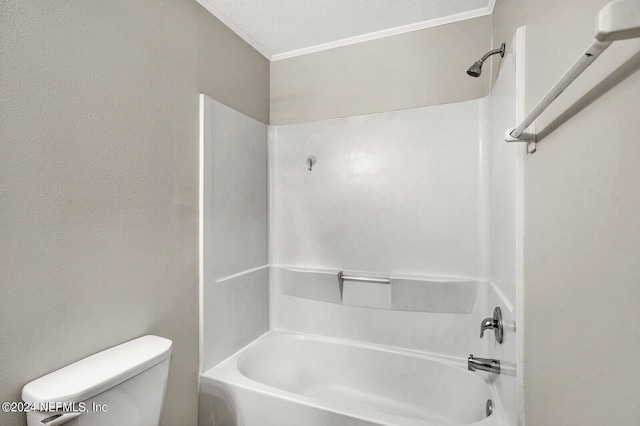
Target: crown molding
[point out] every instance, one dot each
(488, 10)
(388, 32)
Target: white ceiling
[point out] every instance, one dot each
(281, 29)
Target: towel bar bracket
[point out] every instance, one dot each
(529, 138)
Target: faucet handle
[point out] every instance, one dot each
(494, 323)
(487, 324)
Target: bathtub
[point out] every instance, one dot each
(292, 379)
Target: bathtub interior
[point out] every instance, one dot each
(360, 381)
(374, 379)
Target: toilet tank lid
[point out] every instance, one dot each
(95, 374)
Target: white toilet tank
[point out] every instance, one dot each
(123, 385)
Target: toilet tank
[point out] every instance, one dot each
(123, 385)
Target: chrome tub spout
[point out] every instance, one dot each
(484, 364)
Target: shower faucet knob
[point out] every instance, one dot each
(494, 323)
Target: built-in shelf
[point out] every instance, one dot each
(418, 294)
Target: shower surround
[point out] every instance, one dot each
(426, 195)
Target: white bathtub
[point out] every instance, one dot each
(291, 379)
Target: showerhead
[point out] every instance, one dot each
(476, 69)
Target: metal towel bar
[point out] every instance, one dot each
(618, 20)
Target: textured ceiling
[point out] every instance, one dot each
(282, 28)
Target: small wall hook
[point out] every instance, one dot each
(311, 161)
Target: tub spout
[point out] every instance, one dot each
(484, 364)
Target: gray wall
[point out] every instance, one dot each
(582, 204)
(99, 179)
(582, 326)
(420, 68)
(582, 223)
(508, 15)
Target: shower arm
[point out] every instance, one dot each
(499, 50)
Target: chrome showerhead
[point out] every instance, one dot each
(476, 69)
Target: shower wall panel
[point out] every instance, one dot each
(504, 169)
(395, 192)
(235, 279)
(399, 192)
